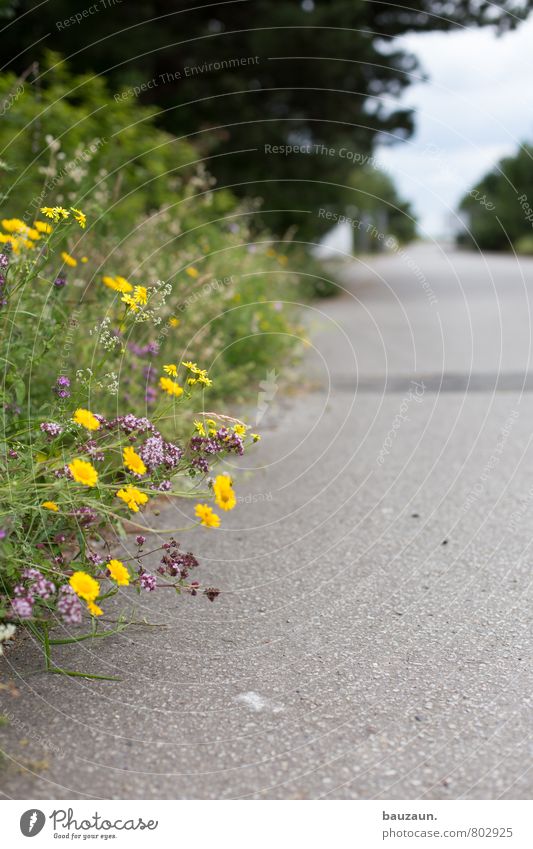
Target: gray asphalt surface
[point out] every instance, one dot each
(374, 639)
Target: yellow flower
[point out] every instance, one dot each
(133, 462)
(140, 293)
(33, 234)
(170, 386)
(192, 381)
(174, 322)
(14, 225)
(255, 437)
(80, 217)
(56, 213)
(224, 494)
(93, 609)
(123, 284)
(12, 240)
(50, 505)
(83, 472)
(192, 272)
(211, 422)
(203, 378)
(189, 365)
(131, 302)
(86, 419)
(132, 497)
(85, 259)
(119, 573)
(68, 259)
(199, 428)
(206, 516)
(42, 227)
(118, 284)
(171, 369)
(85, 586)
(240, 429)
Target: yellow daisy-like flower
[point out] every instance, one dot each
(83, 472)
(203, 378)
(33, 234)
(50, 505)
(171, 369)
(85, 586)
(14, 225)
(224, 494)
(42, 227)
(123, 284)
(79, 217)
(192, 272)
(93, 609)
(12, 240)
(189, 365)
(140, 293)
(119, 573)
(174, 322)
(192, 381)
(170, 386)
(68, 259)
(56, 213)
(199, 427)
(206, 515)
(132, 461)
(210, 422)
(239, 429)
(118, 284)
(255, 437)
(86, 419)
(131, 302)
(132, 497)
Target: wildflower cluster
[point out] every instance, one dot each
(71, 472)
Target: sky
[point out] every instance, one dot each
(476, 107)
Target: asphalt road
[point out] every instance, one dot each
(374, 636)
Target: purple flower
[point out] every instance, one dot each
(22, 607)
(95, 559)
(140, 540)
(61, 388)
(31, 573)
(4, 261)
(3, 533)
(51, 429)
(59, 282)
(44, 588)
(69, 606)
(148, 582)
(91, 447)
(85, 515)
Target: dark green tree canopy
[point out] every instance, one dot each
(499, 209)
(243, 77)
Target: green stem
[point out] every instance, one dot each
(57, 670)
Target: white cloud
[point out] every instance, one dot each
(476, 107)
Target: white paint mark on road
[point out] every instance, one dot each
(258, 703)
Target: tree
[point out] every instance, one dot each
(499, 209)
(242, 78)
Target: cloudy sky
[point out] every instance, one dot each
(476, 107)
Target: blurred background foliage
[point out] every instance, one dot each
(233, 76)
(498, 210)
